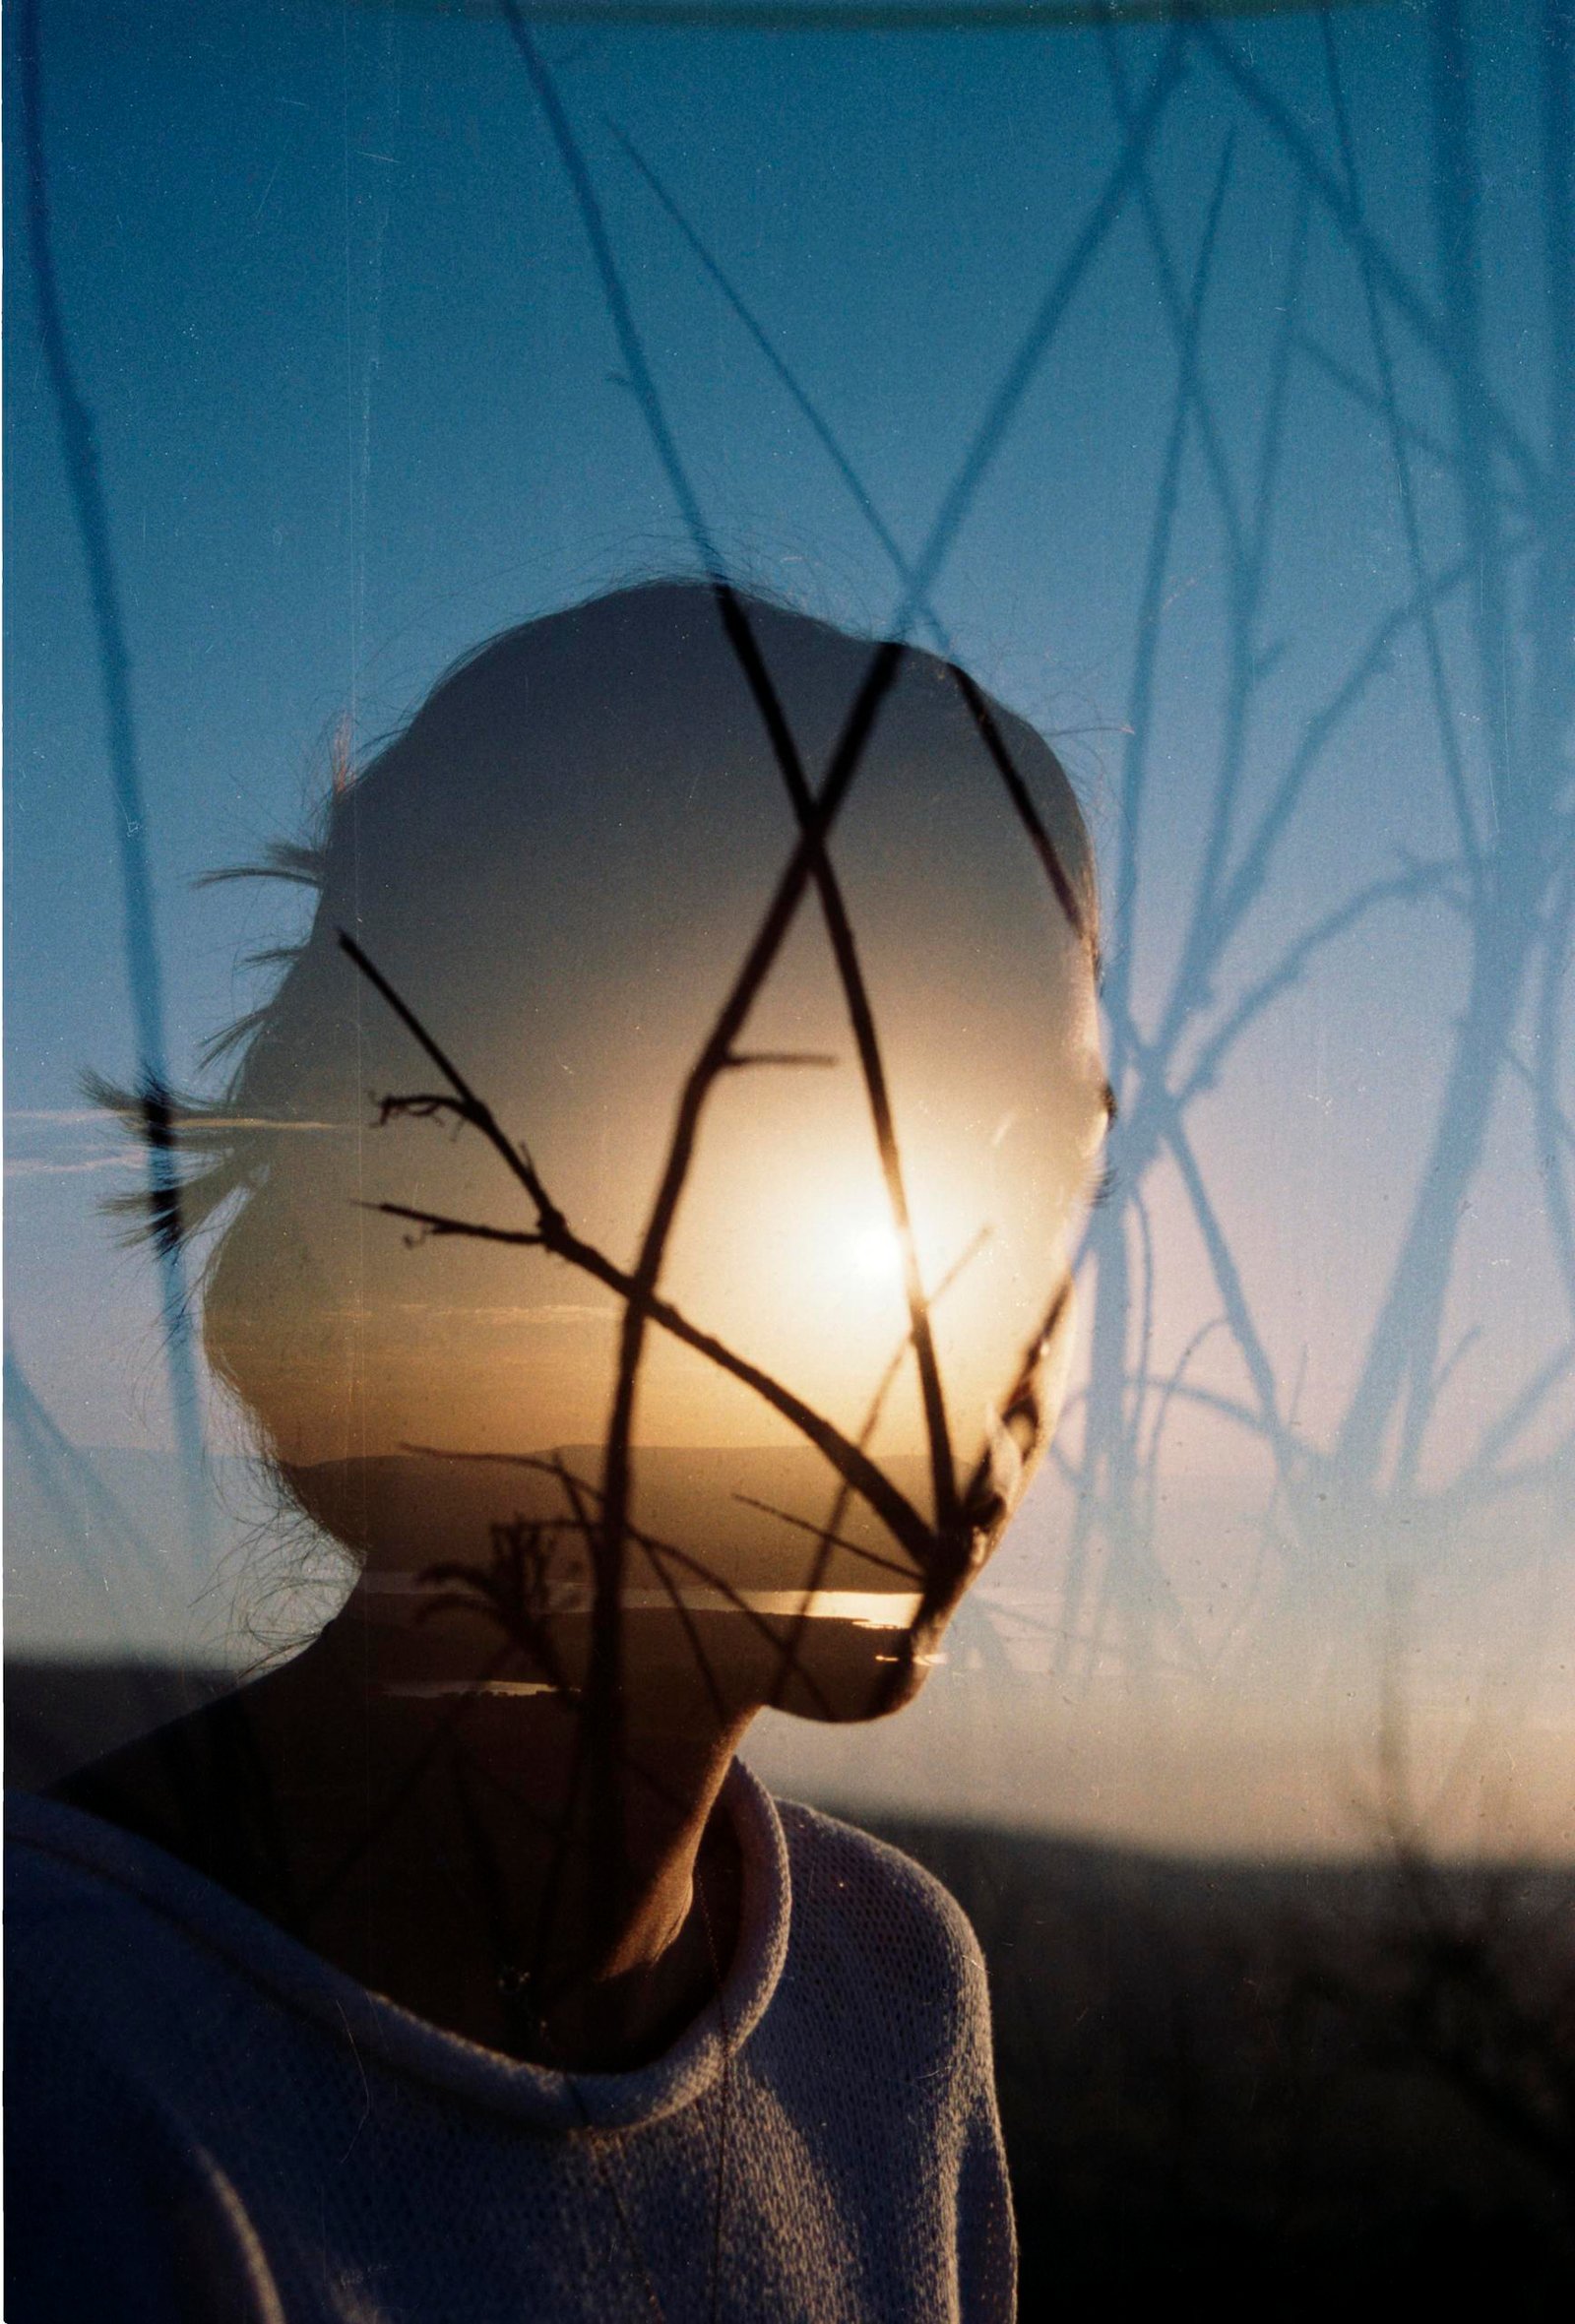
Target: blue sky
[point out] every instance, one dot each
(359, 405)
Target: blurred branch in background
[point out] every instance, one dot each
(79, 452)
(1509, 883)
(1504, 883)
(1370, 326)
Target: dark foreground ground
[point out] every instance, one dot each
(1287, 2091)
(1273, 2091)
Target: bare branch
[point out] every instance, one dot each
(757, 1621)
(1252, 871)
(1425, 321)
(1404, 887)
(736, 624)
(924, 611)
(1184, 315)
(1549, 1116)
(1518, 1415)
(691, 1633)
(516, 1160)
(838, 1508)
(807, 1524)
(558, 1468)
(1373, 400)
(1152, 603)
(657, 1549)
(1239, 1314)
(553, 1232)
(436, 1225)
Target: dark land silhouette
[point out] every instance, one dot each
(758, 1511)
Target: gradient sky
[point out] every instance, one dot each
(360, 404)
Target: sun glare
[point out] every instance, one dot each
(874, 1253)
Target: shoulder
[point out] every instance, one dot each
(59, 1880)
(870, 1877)
(89, 1989)
(63, 1863)
(885, 2041)
(87, 1940)
(116, 2208)
(119, 1955)
(864, 1903)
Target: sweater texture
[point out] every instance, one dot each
(207, 2123)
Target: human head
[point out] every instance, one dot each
(557, 867)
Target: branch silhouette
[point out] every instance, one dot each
(581, 1491)
(80, 454)
(1236, 888)
(553, 1232)
(948, 1516)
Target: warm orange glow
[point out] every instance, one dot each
(569, 946)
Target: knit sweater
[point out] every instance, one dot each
(209, 2122)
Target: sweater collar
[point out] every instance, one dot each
(537, 2097)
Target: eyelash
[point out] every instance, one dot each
(1109, 1180)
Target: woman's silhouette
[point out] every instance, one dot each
(650, 1375)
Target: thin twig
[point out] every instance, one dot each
(553, 1233)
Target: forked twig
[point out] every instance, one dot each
(653, 1543)
(553, 1233)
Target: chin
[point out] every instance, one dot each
(880, 1677)
(902, 1660)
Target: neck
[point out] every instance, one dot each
(467, 1852)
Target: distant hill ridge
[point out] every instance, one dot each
(419, 1506)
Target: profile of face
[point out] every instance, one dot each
(552, 879)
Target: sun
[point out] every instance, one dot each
(874, 1253)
